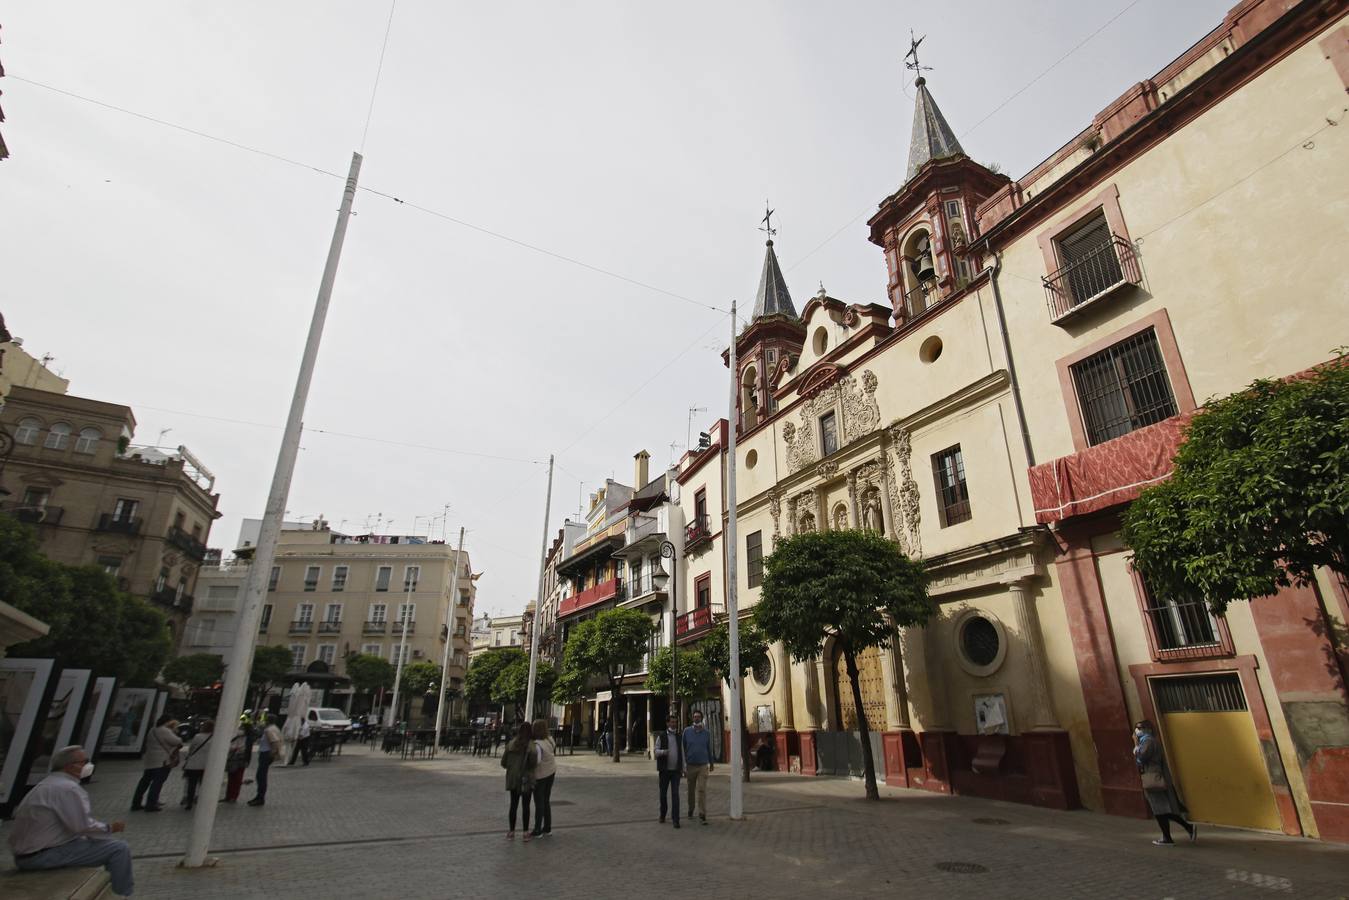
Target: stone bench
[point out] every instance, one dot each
(55, 884)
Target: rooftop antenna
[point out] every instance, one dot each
(913, 52)
(693, 410)
(160, 440)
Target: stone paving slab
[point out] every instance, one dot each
(368, 825)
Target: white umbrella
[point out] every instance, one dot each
(296, 710)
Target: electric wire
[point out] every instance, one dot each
(379, 70)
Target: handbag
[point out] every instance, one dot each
(1152, 780)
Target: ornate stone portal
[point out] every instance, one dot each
(859, 411)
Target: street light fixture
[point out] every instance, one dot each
(659, 578)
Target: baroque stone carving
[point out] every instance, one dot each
(872, 518)
(861, 413)
(807, 523)
(800, 441)
(775, 510)
(827, 470)
(907, 500)
(840, 517)
(860, 416)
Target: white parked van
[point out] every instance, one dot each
(326, 718)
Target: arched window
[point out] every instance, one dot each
(88, 440)
(27, 431)
(58, 438)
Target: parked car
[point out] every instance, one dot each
(326, 718)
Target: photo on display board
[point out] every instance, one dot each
(25, 687)
(160, 701)
(58, 726)
(129, 722)
(100, 701)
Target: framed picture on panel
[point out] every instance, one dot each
(58, 725)
(129, 722)
(100, 701)
(26, 687)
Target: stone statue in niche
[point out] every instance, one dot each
(872, 517)
(840, 517)
(807, 523)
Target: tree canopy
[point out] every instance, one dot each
(484, 670)
(270, 667)
(93, 624)
(512, 685)
(421, 678)
(854, 585)
(716, 648)
(1258, 497)
(196, 670)
(369, 673)
(607, 645)
(693, 674)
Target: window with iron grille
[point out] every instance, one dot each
(1088, 261)
(953, 496)
(1200, 693)
(828, 433)
(754, 556)
(1123, 388)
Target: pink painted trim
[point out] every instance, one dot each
(1336, 48)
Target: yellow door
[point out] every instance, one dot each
(1214, 752)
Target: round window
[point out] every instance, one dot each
(820, 341)
(763, 673)
(930, 350)
(751, 459)
(979, 641)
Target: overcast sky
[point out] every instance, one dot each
(177, 275)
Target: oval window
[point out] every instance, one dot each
(820, 341)
(751, 459)
(979, 641)
(930, 350)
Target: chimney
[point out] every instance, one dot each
(639, 470)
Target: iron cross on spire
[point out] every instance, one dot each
(767, 220)
(913, 52)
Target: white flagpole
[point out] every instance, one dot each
(538, 603)
(246, 632)
(402, 645)
(449, 635)
(732, 615)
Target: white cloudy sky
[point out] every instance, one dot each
(177, 275)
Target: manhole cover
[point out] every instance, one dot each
(961, 868)
(987, 821)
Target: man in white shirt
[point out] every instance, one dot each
(53, 828)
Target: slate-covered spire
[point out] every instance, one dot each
(773, 299)
(932, 138)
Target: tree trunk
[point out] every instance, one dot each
(868, 761)
(615, 695)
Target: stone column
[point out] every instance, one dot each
(1028, 623)
(791, 516)
(896, 697)
(854, 517)
(821, 509)
(782, 663)
(927, 706)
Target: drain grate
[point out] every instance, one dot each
(961, 868)
(989, 821)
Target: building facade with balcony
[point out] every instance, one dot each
(140, 513)
(1177, 249)
(332, 595)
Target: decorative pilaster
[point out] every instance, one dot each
(791, 516)
(775, 510)
(907, 490)
(1028, 623)
(853, 513)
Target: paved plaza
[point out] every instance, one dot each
(371, 825)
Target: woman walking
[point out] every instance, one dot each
(235, 766)
(1158, 786)
(194, 765)
(161, 755)
(519, 759)
(545, 770)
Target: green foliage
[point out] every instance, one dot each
(369, 673)
(1258, 498)
(692, 674)
(484, 670)
(421, 678)
(197, 670)
(270, 667)
(607, 645)
(570, 687)
(716, 647)
(93, 625)
(854, 585)
(511, 686)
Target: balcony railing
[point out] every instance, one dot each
(35, 515)
(398, 628)
(109, 522)
(170, 598)
(920, 299)
(186, 543)
(697, 532)
(605, 590)
(1186, 631)
(330, 627)
(1100, 272)
(374, 627)
(694, 621)
(302, 626)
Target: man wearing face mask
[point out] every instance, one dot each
(53, 828)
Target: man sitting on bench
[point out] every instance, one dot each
(53, 828)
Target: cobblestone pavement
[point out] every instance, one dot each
(369, 825)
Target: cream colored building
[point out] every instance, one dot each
(331, 595)
(18, 367)
(1041, 342)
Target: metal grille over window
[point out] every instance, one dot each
(1183, 624)
(979, 640)
(1123, 388)
(948, 467)
(1200, 693)
(1093, 262)
(763, 673)
(754, 558)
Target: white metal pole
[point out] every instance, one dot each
(250, 611)
(732, 614)
(449, 636)
(538, 603)
(402, 645)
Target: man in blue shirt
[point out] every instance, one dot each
(698, 759)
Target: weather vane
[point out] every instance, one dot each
(767, 220)
(913, 51)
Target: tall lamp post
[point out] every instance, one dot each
(659, 578)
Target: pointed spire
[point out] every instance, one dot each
(932, 138)
(773, 298)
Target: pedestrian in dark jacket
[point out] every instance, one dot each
(1158, 786)
(519, 759)
(670, 765)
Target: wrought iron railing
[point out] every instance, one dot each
(109, 522)
(330, 627)
(302, 626)
(375, 627)
(697, 532)
(694, 620)
(186, 543)
(35, 515)
(398, 627)
(1095, 274)
(920, 299)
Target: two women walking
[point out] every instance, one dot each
(531, 767)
